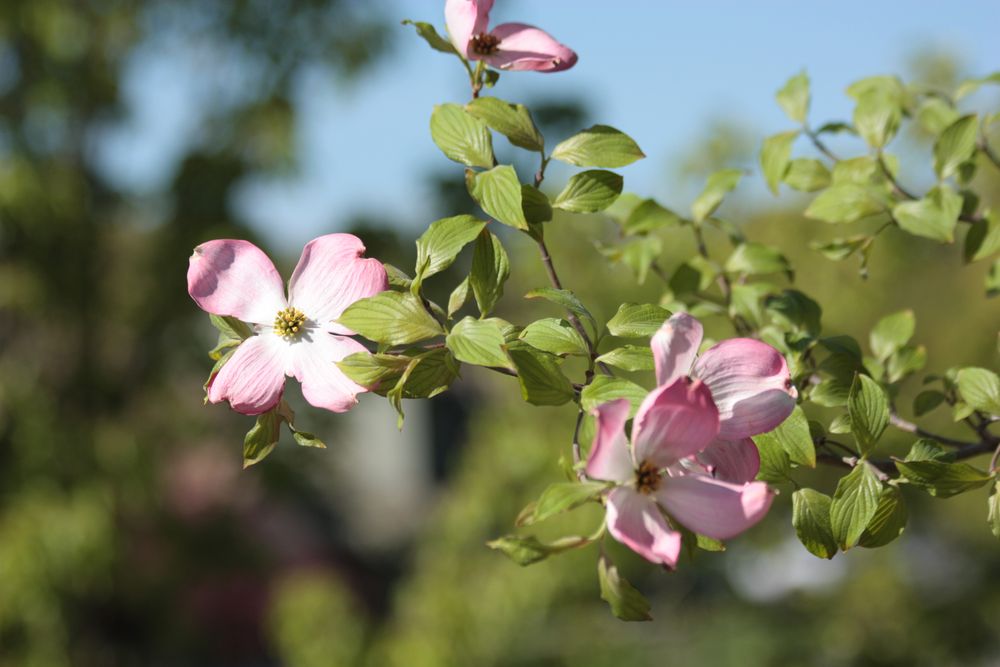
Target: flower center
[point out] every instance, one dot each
(647, 478)
(289, 323)
(484, 44)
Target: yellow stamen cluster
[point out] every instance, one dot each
(484, 44)
(289, 322)
(647, 478)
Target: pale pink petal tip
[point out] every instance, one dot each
(235, 278)
(324, 385)
(675, 347)
(635, 521)
(750, 384)
(714, 508)
(525, 47)
(253, 378)
(609, 458)
(736, 461)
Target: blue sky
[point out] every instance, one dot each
(660, 71)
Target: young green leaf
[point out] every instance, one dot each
(980, 388)
(391, 318)
(438, 247)
(933, 217)
(564, 298)
(926, 401)
(555, 336)
(983, 238)
(941, 478)
(955, 145)
(774, 157)
(599, 146)
(629, 358)
(511, 120)
(648, 216)
(891, 333)
(458, 297)
(368, 370)
(888, 522)
(807, 175)
(854, 504)
(775, 465)
(757, 259)
(605, 389)
(541, 380)
(792, 436)
(527, 549)
(869, 410)
(431, 36)
(876, 116)
(478, 342)
(262, 438)
(535, 204)
(811, 520)
(993, 509)
(304, 439)
(564, 496)
(794, 97)
(490, 269)
(590, 191)
(461, 136)
(637, 320)
(626, 603)
(844, 202)
(717, 187)
(498, 192)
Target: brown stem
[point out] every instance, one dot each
(910, 427)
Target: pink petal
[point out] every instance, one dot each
(525, 47)
(253, 378)
(465, 18)
(735, 461)
(232, 277)
(635, 521)
(750, 384)
(675, 346)
(323, 383)
(714, 508)
(331, 275)
(609, 456)
(674, 421)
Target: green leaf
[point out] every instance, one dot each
(649, 216)
(942, 479)
(717, 187)
(993, 510)
(830, 393)
(935, 114)
(933, 217)
(230, 327)
(262, 438)
(435, 373)
(604, 389)
(775, 464)
(368, 370)
(430, 35)
(564, 496)
(490, 269)
(522, 550)
(891, 333)
(626, 603)
(840, 249)
(972, 85)
(693, 275)
(590, 191)
(992, 280)
(906, 361)
(637, 320)
(877, 115)
(844, 202)
(928, 450)
(555, 336)
(807, 175)
(774, 157)
(304, 439)
(869, 410)
(535, 204)
(438, 247)
(888, 522)
(458, 297)
(511, 120)
(478, 342)
(854, 504)
(757, 259)
(541, 380)
(794, 97)
(955, 145)
(599, 146)
(983, 238)
(792, 436)
(391, 318)
(927, 401)
(811, 519)
(498, 192)
(629, 358)
(461, 136)
(397, 277)
(980, 388)
(564, 298)
(794, 310)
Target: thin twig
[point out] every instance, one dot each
(910, 427)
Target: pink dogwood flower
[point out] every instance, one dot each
(294, 337)
(690, 454)
(508, 46)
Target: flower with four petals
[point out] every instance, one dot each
(297, 336)
(691, 455)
